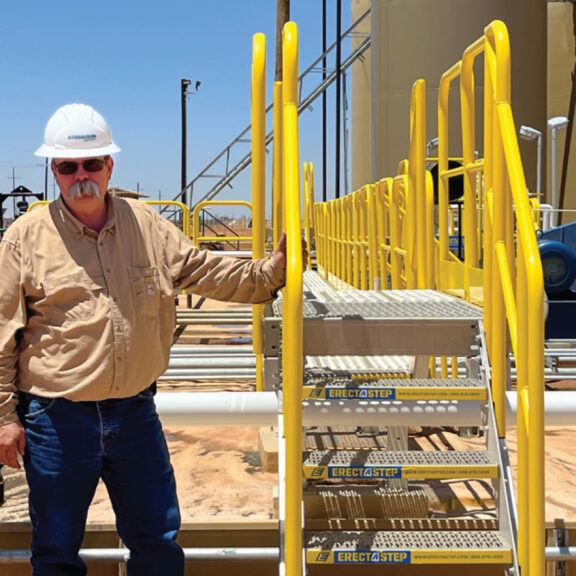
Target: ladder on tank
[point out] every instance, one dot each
(377, 492)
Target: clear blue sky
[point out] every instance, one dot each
(126, 58)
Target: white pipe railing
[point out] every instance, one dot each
(261, 409)
(118, 555)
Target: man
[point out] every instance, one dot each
(86, 323)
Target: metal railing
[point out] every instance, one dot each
(391, 226)
(292, 312)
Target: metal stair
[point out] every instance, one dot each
(371, 505)
(233, 159)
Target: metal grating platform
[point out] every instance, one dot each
(418, 547)
(390, 323)
(369, 304)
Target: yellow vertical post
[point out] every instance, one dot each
(307, 208)
(292, 325)
(312, 239)
(277, 176)
(395, 234)
(468, 153)
(258, 186)
(430, 242)
(443, 144)
(498, 336)
(417, 177)
(372, 226)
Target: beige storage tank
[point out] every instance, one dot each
(414, 39)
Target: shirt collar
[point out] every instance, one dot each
(78, 227)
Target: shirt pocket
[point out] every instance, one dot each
(72, 297)
(146, 290)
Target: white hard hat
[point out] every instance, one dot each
(76, 131)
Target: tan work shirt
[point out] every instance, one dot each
(91, 316)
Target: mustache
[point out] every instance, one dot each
(87, 188)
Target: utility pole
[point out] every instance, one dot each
(184, 83)
(184, 93)
(282, 16)
(324, 102)
(338, 95)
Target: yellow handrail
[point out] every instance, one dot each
(183, 207)
(196, 238)
(258, 189)
(501, 267)
(278, 223)
(292, 309)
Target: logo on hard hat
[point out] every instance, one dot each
(85, 137)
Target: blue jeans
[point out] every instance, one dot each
(70, 446)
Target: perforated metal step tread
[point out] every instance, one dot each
(342, 385)
(406, 547)
(391, 322)
(373, 367)
(376, 304)
(392, 464)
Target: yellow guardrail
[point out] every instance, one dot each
(292, 306)
(182, 206)
(309, 228)
(500, 269)
(197, 239)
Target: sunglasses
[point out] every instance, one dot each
(91, 165)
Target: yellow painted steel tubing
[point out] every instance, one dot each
(292, 323)
(183, 207)
(417, 178)
(258, 188)
(278, 224)
(308, 174)
(372, 231)
(312, 213)
(530, 341)
(443, 146)
(467, 94)
(196, 238)
(530, 303)
(37, 204)
(508, 291)
(309, 216)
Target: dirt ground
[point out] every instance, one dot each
(220, 477)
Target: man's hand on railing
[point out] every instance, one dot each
(279, 256)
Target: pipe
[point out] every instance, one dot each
(221, 361)
(553, 554)
(261, 409)
(218, 408)
(559, 407)
(122, 554)
(210, 351)
(210, 373)
(561, 553)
